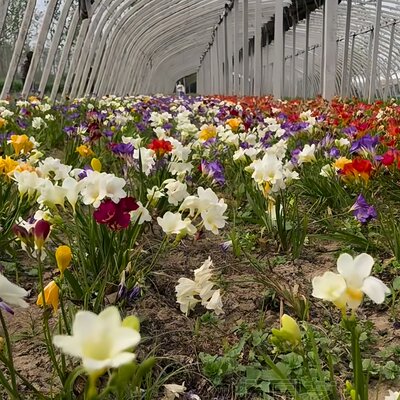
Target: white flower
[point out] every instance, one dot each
(174, 391)
(327, 171)
(215, 303)
(154, 194)
(172, 224)
(53, 168)
(11, 294)
(356, 273)
(176, 191)
(146, 159)
(38, 123)
(352, 282)
(268, 169)
(330, 287)
(307, 154)
(393, 395)
(27, 182)
(140, 213)
(343, 142)
(72, 190)
(101, 341)
(50, 194)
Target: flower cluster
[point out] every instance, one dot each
(200, 290)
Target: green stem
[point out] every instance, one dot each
(9, 353)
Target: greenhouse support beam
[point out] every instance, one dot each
(306, 53)
(64, 55)
(345, 65)
(278, 50)
(257, 50)
(54, 46)
(236, 45)
(322, 64)
(330, 49)
(388, 78)
(12, 69)
(3, 13)
(293, 63)
(349, 75)
(374, 63)
(37, 53)
(226, 57)
(245, 59)
(368, 66)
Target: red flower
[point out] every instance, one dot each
(359, 168)
(115, 216)
(160, 147)
(388, 158)
(41, 232)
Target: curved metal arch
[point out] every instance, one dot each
(135, 32)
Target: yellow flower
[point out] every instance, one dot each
(63, 258)
(3, 122)
(33, 99)
(289, 331)
(96, 164)
(207, 133)
(51, 296)
(341, 162)
(7, 165)
(84, 151)
(234, 123)
(21, 143)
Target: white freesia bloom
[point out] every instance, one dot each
(141, 214)
(174, 391)
(53, 168)
(307, 154)
(38, 123)
(356, 273)
(191, 292)
(172, 224)
(176, 191)
(12, 294)
(27, 182)
(353, 281)
(393, 395)
(51, 194)
(99, 340)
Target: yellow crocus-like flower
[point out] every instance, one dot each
(234, 123)
(96, 164)
(21, 144)
(208, 132)
(3, 122)
(63, 258)
(7, 165)
(84, 151)
(51, 296)
(341, 162)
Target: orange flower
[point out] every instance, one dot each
(51, 296)
(234, 123)
(3, 122)
(208, 132)
(341, 162)
(84, 151)
(7, 165)
(21, 144)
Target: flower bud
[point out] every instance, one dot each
(51, 296)
(63, 258)
(41, 232)
(131, 322)
(96, 164)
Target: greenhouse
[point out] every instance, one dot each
(200, 199)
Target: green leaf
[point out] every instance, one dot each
(396, 283)
(74, 284)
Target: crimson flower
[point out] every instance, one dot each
(115, 216)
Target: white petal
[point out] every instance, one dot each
(124, 339)
(375, 289)
(92, 365)
(345, 264)
(363, 265)
(329, 286)
(121, 359)
(111, 317)
(85, 324)
(68, 345)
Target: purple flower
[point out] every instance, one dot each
(334, 152)
(367, 142)
(213, 169)
(122, 149)
(362, 211)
